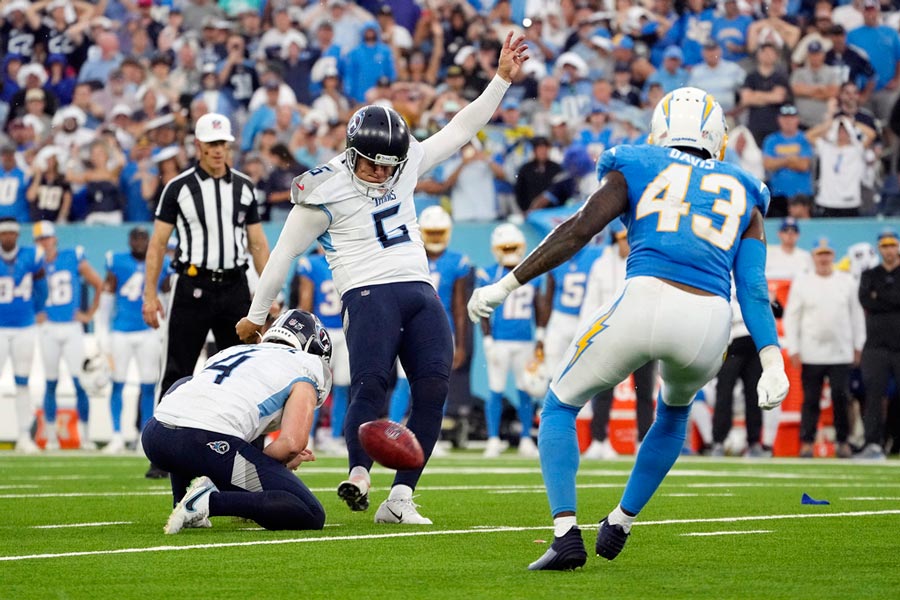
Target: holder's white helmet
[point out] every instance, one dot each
(690, 117)
(508, 244)
(436, 225)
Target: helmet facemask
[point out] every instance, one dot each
(371, 189)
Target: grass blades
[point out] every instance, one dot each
(716, 529)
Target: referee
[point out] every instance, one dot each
(213, 209)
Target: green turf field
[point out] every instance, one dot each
(716, 529)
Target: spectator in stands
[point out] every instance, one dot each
(32, 76)
(277, 186)
(49, 194)
(186, 75)
(577, 164)
(691, 30)
(100, 176)
(764, 91)
(332, 102)
(217, 100)
(824, 334)
(624, 91)
(596, 136)
(882, 45)
(20, 28)
(197, 13)
(575, 87)
(70, 132)
(776, 28)
(366, 63)
(720, 77)
(98, 68)
(536, 175)
(671, 75)
(879, 294)
(261, 118)
(296, 62)
(813, 85)
(729, 30)
(114, 93)
(853, 65)
(849, 16)
(787, 157)
(61, 80)
(162, 168)
(538, 111)
(35, 101)
(841, 147)
(786, 261)
(13, 186)
(237, 73)
(468, 177)
(818, 31)
(270, 44)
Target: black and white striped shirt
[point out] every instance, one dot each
(210, 216)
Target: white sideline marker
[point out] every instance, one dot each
(712, 533)
(403, 534)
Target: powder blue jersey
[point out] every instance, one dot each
(686, 215)
(129, 273)
(326, 300)
(446, 270)
(64, 296)
(17, 281)
(570, 280)
(514, 320)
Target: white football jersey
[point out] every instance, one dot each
(241, 391)
(369, 241)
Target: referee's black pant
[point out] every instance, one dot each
(200, 304)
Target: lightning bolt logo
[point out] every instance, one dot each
(588, 337)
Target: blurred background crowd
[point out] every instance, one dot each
(98, 99)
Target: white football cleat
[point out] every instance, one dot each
(115, 445)
(25, 445)
(494, 448)
(52, 443)
(600, 451)
(528, 448)
(355, 492)
(193, 510)
(400, 511)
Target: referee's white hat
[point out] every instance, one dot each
(213, 127)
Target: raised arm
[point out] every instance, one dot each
(476, 115)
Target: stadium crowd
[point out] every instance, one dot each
(98, 99)
(98, 102)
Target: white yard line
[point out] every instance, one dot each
(872, 498)
(699, 495)
(403, 534)
(67, 525)
(712, 533)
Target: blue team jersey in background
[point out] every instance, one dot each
(326, 300)
(129, 273)
(446, 269)
(513, 320)
(17, 288)
(570, 280)
(686, 215)
(64, 296)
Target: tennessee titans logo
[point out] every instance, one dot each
(354, 124)
(219, 447)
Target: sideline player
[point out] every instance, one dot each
(62, 325)
(450, 273)
(23, 291)
(204, 425)
(511, 338)
(691, 220)
(131, 337)
(360, 205)
(317, 295)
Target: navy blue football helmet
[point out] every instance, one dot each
(301, 330)
(380, 135)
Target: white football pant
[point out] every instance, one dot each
(648, 320)
(145, 347)
(62, 340)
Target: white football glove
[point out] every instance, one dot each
(773, 384)
(485, 299)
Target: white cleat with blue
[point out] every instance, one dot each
(193, 510)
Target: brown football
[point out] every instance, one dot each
(391, 445)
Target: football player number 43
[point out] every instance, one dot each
(666, 196)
